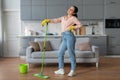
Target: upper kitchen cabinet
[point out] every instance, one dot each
(38, 9)
(79, 4)
(41, 9)
(93, 12)
(93, 2)
(56, 8)
(33, 9)
(25, 12)
(25, 9)
(88, 9)
(108, 2)
(112, 9)
(25, 2)
(93, 9)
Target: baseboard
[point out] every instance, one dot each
(22, 57)
(113, 56)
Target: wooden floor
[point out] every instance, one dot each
(109, 69)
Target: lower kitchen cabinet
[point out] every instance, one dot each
(113, 41)
(114, 50)
(101, 42)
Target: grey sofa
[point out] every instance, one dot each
(91, 56)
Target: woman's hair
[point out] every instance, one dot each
(75, 11)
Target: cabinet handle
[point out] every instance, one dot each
(112, 37)
(112, 46)
(112, 2)
(95, 37)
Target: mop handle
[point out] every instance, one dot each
(44, 48)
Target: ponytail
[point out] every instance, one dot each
(75, 11)
(75, 15)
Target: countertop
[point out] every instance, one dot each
(41, 36)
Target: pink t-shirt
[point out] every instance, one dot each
(65, 24)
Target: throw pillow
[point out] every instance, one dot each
(35, 46)
(48, 46)
(85, 46)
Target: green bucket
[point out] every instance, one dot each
(23, 68)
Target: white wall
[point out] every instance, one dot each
(11, 4)
(1, 35)
(11, 27)
(56, 28)
(36, 27)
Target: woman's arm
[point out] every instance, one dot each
(56, 20)
(77, 23)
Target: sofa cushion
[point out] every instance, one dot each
(81, 54)
(55, 42)
(84, 54)
(85, 46)
(48, 45)
(48, 54)
(35, 46)
(81, 40)
(54, 54)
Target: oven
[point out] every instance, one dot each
(112, 23)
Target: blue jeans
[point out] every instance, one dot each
(68, 43)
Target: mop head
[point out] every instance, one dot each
(40, 75)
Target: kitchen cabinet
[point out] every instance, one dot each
(101, 42)
(41, 9)
(112, 9)
(57, 2)
(25, 2)
(93, 2)
(33, 9)
(109, 2)
(26, 12)
(93, 12)
(89, 9)
(38, 2)
(113, 42)
(38, 9)
(25, 9)
(56, 8)
(56, 11)
(38, 12)
(114, 50)
(93, 9)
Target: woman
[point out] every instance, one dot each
(68, 23)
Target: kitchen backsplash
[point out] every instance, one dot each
(34, 28)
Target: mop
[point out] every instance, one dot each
(41, 75)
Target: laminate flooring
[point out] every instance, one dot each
(109, 69)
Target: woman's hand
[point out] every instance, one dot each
(44, 22)
(71, 28)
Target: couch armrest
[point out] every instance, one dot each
(95, 49)
(29, 51)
